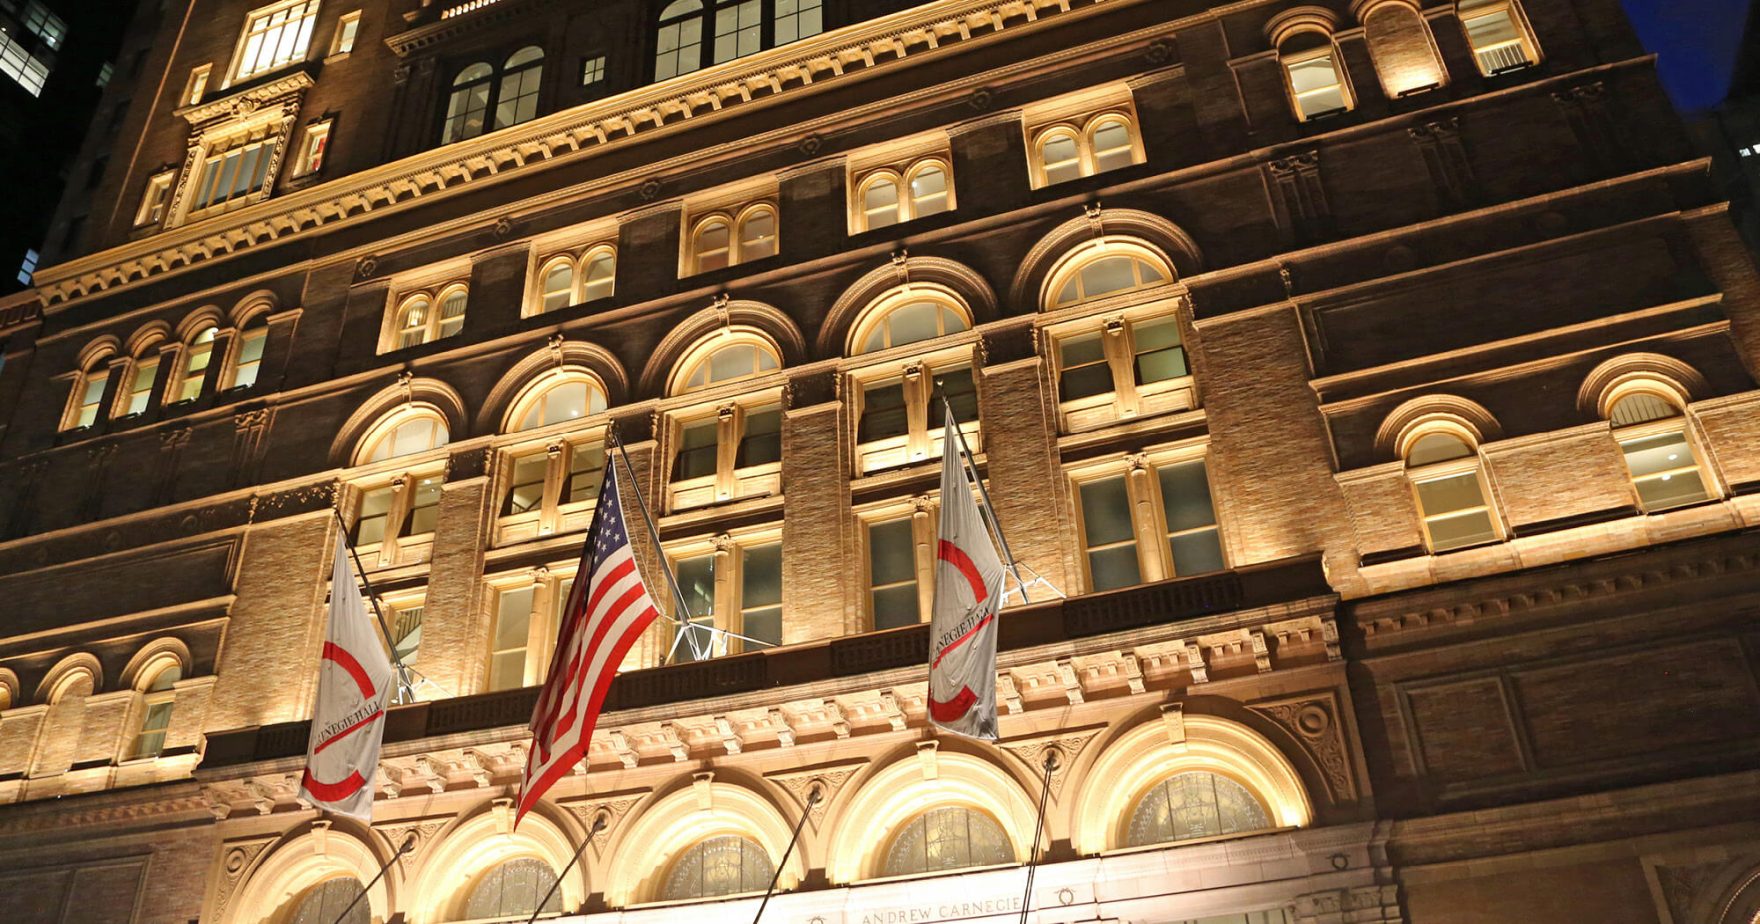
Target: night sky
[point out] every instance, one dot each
(1696, 43)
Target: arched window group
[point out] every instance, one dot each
(565, 280)
(508, 92)
(887, 197)
(721, 239)
(113, 384)
(1067, 150)
(143, 729)
(426, 316)
(693, 34)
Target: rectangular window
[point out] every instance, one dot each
(733, 594)
(311, 152)
(396, 521)
(592, 70)
(152, 210)
(736, 453)
(511, 639)
(405, 618)
(424, 507)
(346, 29)
(696, 580)
(274, 36)
(140, 386)
(1496, 38)
(22, 66)
(1316, 85)
(1454, 509)
(197, 87)
(1122, 513)
(234, 174)
(551, 489)
(738, 30)
(1664, 470)
(28, 266)
(527, 491)
(893, 600)
(1128, 368)
(150, 742)
(375, 516)
(798, 19)
(760, 594)
(902, 414)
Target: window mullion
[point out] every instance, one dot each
(729, 421)
(404, 490)
(1152, 546)
(727, 594)
(923, 537)
(1115, 341)
(918, 390)
(555, 481)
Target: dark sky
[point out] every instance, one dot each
(1696, 43)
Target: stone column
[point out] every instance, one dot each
(817, 526)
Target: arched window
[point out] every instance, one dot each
(599, 279)
(1067, 150)
(879, 201)
(325, 902)
(452, 304)
(757, 234)
(690, 37)
(947, 838)
(738, 354)
(467, 107)
(1313, 70)
(1105, 268)
(413, 321)
(566, 394)
(1499, 34)
(679, 46)
(247, 357)
(158, 696)
(929, 192)
(710, 244)
(76, 683)
(88, 393)
(725, 865)
(1192, 805)
(1404, 52)
(558, 285)
(516, 99)
(1444, 470)
(193, 370)
(910, 315)
(417, 321)
(1652, 434)
(410, 430)
(513, 888)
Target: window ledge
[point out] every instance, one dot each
(1579, 519)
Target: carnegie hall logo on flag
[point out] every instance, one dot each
(606, 612)
(962, 624)
(348, 724)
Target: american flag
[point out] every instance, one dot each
(608, 609)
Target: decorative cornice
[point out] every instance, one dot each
(795, 68)
(245, 101)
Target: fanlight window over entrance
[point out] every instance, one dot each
(325, 902)
(726, 865)
(513, 890)
(1192, 805)
(946, 839)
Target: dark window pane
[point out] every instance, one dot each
(697, 451)
(1086, 381)
(896, 606)
(762, 442)
(883, 413)
(957, 386)
(1185, 496)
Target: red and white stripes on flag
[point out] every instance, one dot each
(962, 622)
(348, 723)
(607, 610)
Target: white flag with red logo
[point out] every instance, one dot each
(607, 611)
(962, 624)
(348, 724)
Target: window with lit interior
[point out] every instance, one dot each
(1192, 805)
(513, 890)
(889, 196)
(726, 238)
(1653, 436)
(724, 865)
(1498, 33)
(569, 279)
(397, 511)
(274, 36)
(192, 365)
(1313, 70)
(157, 688)
(1147, 519)
(425, 316)
(734, 586)
(1073, 148)
(1130, 361)
(1442, 464)
(87, 398)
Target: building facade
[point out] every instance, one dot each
(1370, 386)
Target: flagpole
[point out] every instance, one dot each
(984, 493)
(812, 800)
(407, 690)
(684, 608)
(598, 825)
(1038, 831)
(409, 844)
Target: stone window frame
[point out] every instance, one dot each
(314, 146)
(396, 604)
(1078, 116)
(155, 199)
(900, 169)
(1364, 11)
(148, 354)
(553, 515)
(730, 482)
(398, 545)
(921, 444)
(236, 73)
(727, 610)
(1682, 422)
(735, 214)
(550, 585)
(342, 41)
(136, 747)
(432, 295)
(923, 513)
(96, 368)
(579, 260)
(1150, 535)
(1298, 25)
(1526, 39)
(1425, 472)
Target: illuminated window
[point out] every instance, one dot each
(396, 514)
(235, 174)
(551, 488)
(326, 902)
(311, 152)
(725, 453)
(679, 46)
(592, 70)
(511, 638)
(1192, 805)
(563, 395)
(569, 279)
(197, 85)
(1498, 34)
(909, 315)
(757, 234)
(1448, 482)
(716, 866)
(1402, 48)
(1070, 149)
(158, 696)
(513, 890)
(730, 237)
(153, 201)
(945, 839)
(347, 28)
(516, 98)
(404, 614)
(692, 35)
(247, 360)
(274, 36)
(725, 357)
(527, 607)
(887, 197)
(1150, 521)
(192, 367)
(1095, 272)
(404, 433)
(140, 385)
(735, 587)
(901, 415)
(418, 320)
(467, 105)
(1316, 84)
(1664, 467)
(88, 394)
(30, 71)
